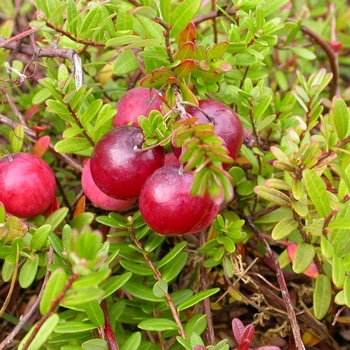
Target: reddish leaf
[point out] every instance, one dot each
(188, 34)
(185, 51)
(41, 146)
(157, 78)
(245, 345)
(80, 207)
(268, 347)
(248, 333)
(184, 69)
(238, 329)
(55, 205)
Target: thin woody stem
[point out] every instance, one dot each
(158, 277)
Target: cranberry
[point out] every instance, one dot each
(97, 197)
(119, 166)
(27, 184)
(135, 102)
(167, 206)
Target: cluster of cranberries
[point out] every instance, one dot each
(120, 172)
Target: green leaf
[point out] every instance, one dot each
(341, 223)
(81, 296)
(82, 220)
(283, 228)
(160, 288)
(347, 291)
(165, 9)
(56, 218)
(133, 342)
(304, 256)
(123, 40)
(273, 6)
(16, 137)
(303, 53)
(327, 248)
(53, 288)
(72, 145)
(60, 108)
(43, 333)
(183, 15)
(74, 327)
(125, 63)
(91, 280)
(136, 268)
(196, 324)
(316, 189)
(170, 271)
(28, 271)
(114, 283)
(40, 237)
(172, 254)
(261, 106)
(341, 117)
(95, 344)
(125, 20)
(158, 325)
(140, 291)
(322, 296)
(273, 195)
(197, 298)
(90, 112)
(94, 312)
(338, 272)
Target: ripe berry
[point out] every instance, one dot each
(135, 102)
(167, 206)
(119, 166)
(97, 197)
(226, 122)
(27, 184)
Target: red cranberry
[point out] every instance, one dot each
(27, 184)
(119, 166)
(167, 206)
(97, 197)
(135, 102)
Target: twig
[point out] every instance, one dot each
(166, 34)
(282, 283)
(109, 334)
(55, 303)
(23, 320)
(158, 277)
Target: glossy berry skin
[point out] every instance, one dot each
(135, 102)
(167, 206)
(27, 185)
(97, 197)
(119, 166)
(226, 122)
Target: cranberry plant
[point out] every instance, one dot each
(241, 241)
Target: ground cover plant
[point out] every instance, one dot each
(174, 174)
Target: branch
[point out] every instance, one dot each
(55, 303)
(158, 277)
(110, 338)
(24, 318)
(282, 283)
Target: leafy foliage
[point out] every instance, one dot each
(107, 278)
